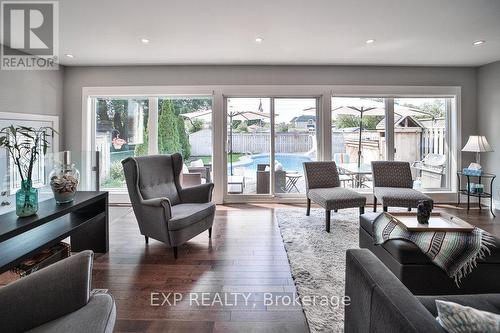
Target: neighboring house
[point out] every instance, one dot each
(304, 122)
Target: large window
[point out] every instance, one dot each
(121, 132)
(138, 126)
(252, 140)
(423, 140)
(358, 138)
(420, 136)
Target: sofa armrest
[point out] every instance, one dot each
(379, 302)
(197, 194)
(48, 294)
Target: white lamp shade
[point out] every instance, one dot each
(477, 144)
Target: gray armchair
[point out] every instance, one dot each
(164, 210)
(393, 185)
(57, 299)
(323, 187)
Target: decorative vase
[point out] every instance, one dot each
(64, 180)
(26, 199)
(424, 209)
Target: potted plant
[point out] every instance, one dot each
(25, 144)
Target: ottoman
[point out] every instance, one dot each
(420, 275)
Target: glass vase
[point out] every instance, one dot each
(64, 180)
(26, 199)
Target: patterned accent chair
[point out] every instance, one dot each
(393, 185)
(323, 187)
(164, 210)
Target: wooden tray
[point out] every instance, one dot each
(438, 222)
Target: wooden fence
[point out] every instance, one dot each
(284, 142)
(433, 141)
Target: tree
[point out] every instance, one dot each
(168, 132)
(196, 125)
(349, 120)
(183, 139)
(283, 127)
(436, 109)
(142, 148)
(185, 105)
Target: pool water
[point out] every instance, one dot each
(290, 162)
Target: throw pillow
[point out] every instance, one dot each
(456, 318)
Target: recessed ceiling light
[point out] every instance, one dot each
(478, 42)
(145, 41)
(370, 41)
(69, 55)
(259, 40)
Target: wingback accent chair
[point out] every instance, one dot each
(164, 210)
(323, 187)
(393, 185)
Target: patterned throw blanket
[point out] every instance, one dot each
(454, 252)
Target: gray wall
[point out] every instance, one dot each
(78, 77)
(488, 83)
(39, 92)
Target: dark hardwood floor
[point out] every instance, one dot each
(245, 255)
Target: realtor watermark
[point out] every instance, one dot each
(246, 300)
(30, 34)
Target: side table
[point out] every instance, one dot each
(466, 191)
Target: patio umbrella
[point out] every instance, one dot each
(243, 116)
(362, 107)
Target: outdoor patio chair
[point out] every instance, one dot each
(263, 179)
(165, 211)
(340, 158)
(393, 185)
(323, 187)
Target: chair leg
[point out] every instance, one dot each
(374, 204)
(361, 210)
(385, 208)
(409, 209)
(175, 251)
(308, 211)
(327, 219)
(147, 239)
(209, 232)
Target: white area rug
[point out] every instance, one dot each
(317, 259)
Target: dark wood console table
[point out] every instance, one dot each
(85, 220)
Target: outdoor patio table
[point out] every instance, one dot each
(291, 181)
(355, 171)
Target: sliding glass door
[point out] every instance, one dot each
(248, 145)
(268, 139)
(295, 142)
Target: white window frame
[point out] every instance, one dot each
(324, 92)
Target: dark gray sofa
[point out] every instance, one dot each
(57, 299)
(379, 302)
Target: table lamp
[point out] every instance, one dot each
(477, 144)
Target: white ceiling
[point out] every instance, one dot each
(317, 32)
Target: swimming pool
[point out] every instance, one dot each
(290, 162)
